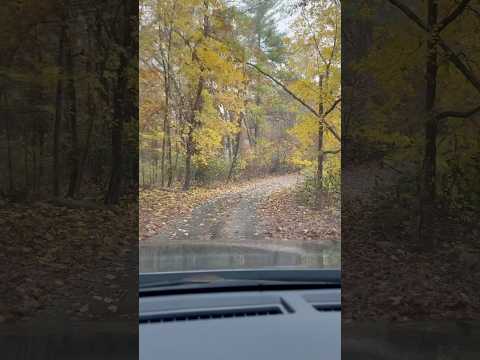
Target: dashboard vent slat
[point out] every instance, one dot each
(210, 314)
(327, 307)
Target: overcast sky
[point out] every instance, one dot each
(283, 24)
(283, 20)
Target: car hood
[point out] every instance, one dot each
(184, 256)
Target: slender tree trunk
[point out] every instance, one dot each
(256, 129)
(72, 114)
(41, 140)
(196, 108)
(169, 158)
(9, 147)
(162, 161)
(88, 140)
(240, 121)
(427, 196)
(36, 135)
(320, 155)
(25, 159)
(175, 166)
(188, 161)
(236, 150)
(167, 145)
(91, 117)
(166, 125)
(113, 193)
(168, 137)
(190, 140)
(121, 101)
(58, 112)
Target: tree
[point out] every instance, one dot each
(433, 27)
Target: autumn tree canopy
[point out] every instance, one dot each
(225, 92)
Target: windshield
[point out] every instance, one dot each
(239, 135)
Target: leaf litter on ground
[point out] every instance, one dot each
(55, 256)
(284, 217)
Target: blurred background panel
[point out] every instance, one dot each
(69, 163)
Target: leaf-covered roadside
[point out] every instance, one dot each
(386, 275)
(160, 206)
(53, 254)
(285, 218)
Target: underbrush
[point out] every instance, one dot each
(309, 194)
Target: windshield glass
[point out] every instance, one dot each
(239, 135)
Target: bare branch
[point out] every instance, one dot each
(449, 52)
(287, 90)
(409, 13)
(334, 105)
(453, 15)
(315, 40)
(469, 75)
(331, 152)
(458, 114)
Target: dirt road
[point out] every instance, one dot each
(229, 218)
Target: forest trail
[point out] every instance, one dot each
(229, 218)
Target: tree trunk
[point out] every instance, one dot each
(88, 140)
(175, 166)
(121, 101)
(162, 161)
(91, 116)
(25, 159)
(113, 193)
(167, 145)
(238, 138)
(188, 161)
(196, 108)
(72, 114)
(427, 196)
(256, 129)
(168, 137)
(320, 155)
(193, 123)
(58, 112)
(9, 147)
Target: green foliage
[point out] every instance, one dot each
(308, 192)
(214, 170)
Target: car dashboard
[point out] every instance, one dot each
(286, 324)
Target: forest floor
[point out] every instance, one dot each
(65, 263)
(284, 217)
(386, 274)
